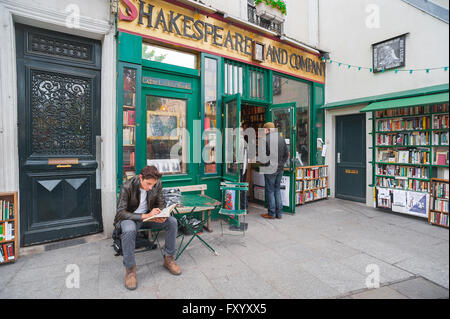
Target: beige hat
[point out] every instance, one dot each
(269, 125)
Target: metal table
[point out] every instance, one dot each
(192, 203)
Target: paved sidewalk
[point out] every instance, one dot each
(321, 252)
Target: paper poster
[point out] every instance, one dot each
(324, 150)
(399, 201)
(285, 182)
(417, 204)
(384, 198)
(229, 199)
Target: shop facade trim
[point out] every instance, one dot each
(390, 96)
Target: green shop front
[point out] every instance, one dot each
(185, 76)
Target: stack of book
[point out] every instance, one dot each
(7, 252)
(6, 210)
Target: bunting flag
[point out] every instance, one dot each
(359, 68)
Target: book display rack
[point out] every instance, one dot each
(8, 228)
(311, 184)
(410, 149)
(439, 202)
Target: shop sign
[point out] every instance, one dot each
(177, 24)
(167, 83)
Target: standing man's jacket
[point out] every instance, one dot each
(130, 197)
(283, 150)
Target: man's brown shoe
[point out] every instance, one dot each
(267, 216)
(130, 278)
(169, 263)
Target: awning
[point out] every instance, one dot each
(407, 102)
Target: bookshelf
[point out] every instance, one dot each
(311, 184)
(8, 228)
(439, 202)
(410, 149)
(129, 123)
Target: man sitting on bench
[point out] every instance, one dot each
(141, 198)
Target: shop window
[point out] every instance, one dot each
(319, 121)
(129, 123)
(166, 134)
(234, 78)
(169, 56)
(210, 124)
(286, 90)
(256, 83)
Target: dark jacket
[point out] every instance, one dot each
(283, 150)
(130, 198)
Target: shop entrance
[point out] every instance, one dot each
(58, 78)
(247, 115)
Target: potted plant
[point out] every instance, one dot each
(271, 9)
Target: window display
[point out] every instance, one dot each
(129, 123)
(166, 134)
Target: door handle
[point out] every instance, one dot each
(339, 158)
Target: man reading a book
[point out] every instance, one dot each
(141, 198)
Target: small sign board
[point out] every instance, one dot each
(62, 161)
(166, 83)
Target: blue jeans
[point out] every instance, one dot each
(129, 232)
(273, 192)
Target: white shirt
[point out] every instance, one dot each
(143, 207)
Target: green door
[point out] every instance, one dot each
(284, 118)
(351, 157)
(165, 128)
(231, 137)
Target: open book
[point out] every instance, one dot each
(164, 213)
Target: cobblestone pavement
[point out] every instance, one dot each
(328, 249)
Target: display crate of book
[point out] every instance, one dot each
(311, 184)
(410, 147)
(8, 228)
(439, 202)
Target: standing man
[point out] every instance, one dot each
(273, 181)
(141, 198)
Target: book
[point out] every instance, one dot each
(164, 213)
(441, 158)
(10, 251)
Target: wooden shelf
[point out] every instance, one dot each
(403, 131)
(404, 177)
(11, 197)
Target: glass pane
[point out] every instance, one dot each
(230, 138)
(286, 91)
(210, 115)
(166, 134)
(169, 56)
(282, 120)
(129, 123)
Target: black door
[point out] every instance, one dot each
(58, 124)
(351, 157)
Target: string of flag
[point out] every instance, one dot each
(359, 68)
